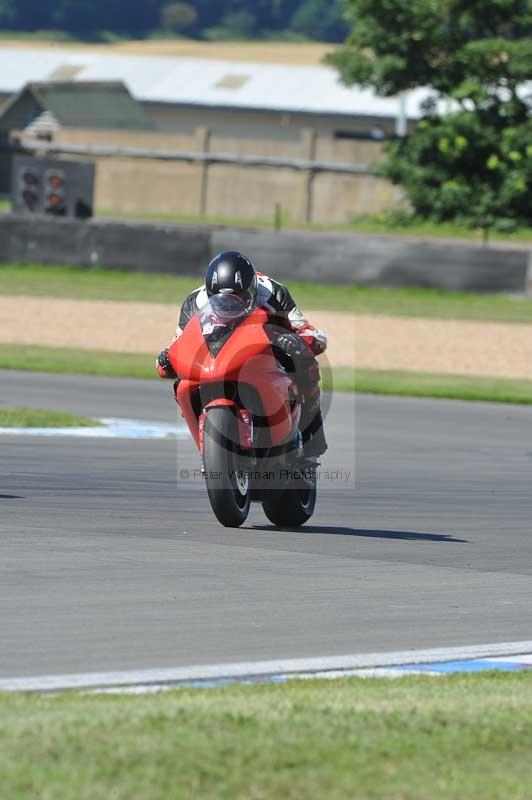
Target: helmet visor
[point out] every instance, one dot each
(227, 307)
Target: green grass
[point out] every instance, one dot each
(100, 284)
(70, 361)
(341, 379)
(413, 738)
(387, 223)
(392, 223)
(38, 418)
(402, 224)
(93, 284)
(395, 224)
(420, 384)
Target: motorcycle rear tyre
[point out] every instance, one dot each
(293, 506)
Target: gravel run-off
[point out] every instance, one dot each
(381, 342)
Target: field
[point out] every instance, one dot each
(295, 53)
(448, 738)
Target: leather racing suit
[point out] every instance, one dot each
(274, 297)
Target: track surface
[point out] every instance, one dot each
(108, 560)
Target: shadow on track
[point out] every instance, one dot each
(370, 534)
(11, 497)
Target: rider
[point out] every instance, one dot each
(231, 272)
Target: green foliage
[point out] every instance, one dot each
(472, 165)
(178, 16)
(469, 167)
(234, 26)
(395, 45)
(87, 18)
(7, 12)
(326, 24)
(201, 18)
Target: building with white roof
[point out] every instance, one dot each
(225, 107)
(226, 96)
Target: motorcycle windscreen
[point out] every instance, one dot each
(221, 316)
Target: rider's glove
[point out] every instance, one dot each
(164, 367)
(292, 345)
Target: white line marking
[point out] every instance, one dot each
(282, 667)
(524, 659)
(111, 428)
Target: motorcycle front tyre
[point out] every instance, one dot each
(226, 472)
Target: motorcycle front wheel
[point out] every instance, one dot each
(226, 472)
(292, 504)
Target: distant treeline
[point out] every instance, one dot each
(222, 19)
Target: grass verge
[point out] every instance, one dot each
(70, 361)
(386, 223)
(421, 384)
(39, 418)
(399, 223)
(99, 284)
(340, 379)
(455, 737)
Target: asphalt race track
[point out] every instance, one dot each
(109, 560)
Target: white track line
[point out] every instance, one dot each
(111, 428)
(239, 671)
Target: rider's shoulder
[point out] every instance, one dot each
(269, 283)
(273, 293)
(200, 296)
(265, 281)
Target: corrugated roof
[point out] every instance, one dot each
(93, 104)
(203, 82)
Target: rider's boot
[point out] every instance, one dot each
(314, 440)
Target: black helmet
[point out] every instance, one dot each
(232, 273)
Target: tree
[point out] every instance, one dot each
(86, 18)
(469, 167)
(235, 25)
(7, 12)
(31, 14)
(473, 163)
(78, 16)
(178, 16)
(318, 21)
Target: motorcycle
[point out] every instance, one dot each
(239, 396)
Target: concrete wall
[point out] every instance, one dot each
(271, 125)
(127, 185)
(110, 244)
(322, 258)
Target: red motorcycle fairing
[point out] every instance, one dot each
(245, 422)
(246, 359)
